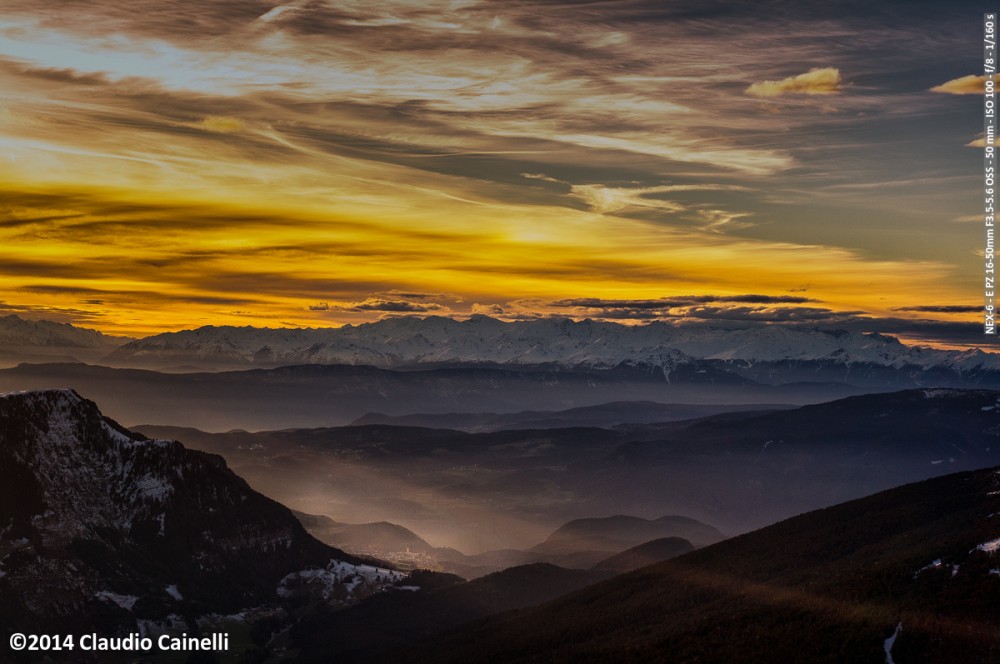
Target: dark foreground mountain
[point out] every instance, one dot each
(394, 620)
(105, 531)
(907, 575)
(644, 554)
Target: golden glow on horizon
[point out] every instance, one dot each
(187, 262)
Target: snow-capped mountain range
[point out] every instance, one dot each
(407, 341)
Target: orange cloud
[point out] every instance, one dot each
(222, 124)
(966, 85)
(816, 81)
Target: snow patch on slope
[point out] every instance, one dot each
(339, 581)
(989, 547)
(936, 564)
(124, 601)
(890, 642)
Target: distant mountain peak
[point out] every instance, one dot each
(17, 331)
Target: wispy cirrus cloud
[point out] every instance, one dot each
(600, 198)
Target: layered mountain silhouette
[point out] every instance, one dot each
(601, 415)
(587, 542)
(331, 395)
(736, 471)
(395, 620)
(379, 536)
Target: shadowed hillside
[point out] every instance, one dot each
(828, 586)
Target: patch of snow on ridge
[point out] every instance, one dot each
(124, 601)
(115, 434)
(890, 642)
(989, 547)
(125, 440)
(936, 564)
(338, 574)
(154, 628)
(152, 487)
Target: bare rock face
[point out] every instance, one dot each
(104, 529)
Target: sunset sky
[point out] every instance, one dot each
(168, 164)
